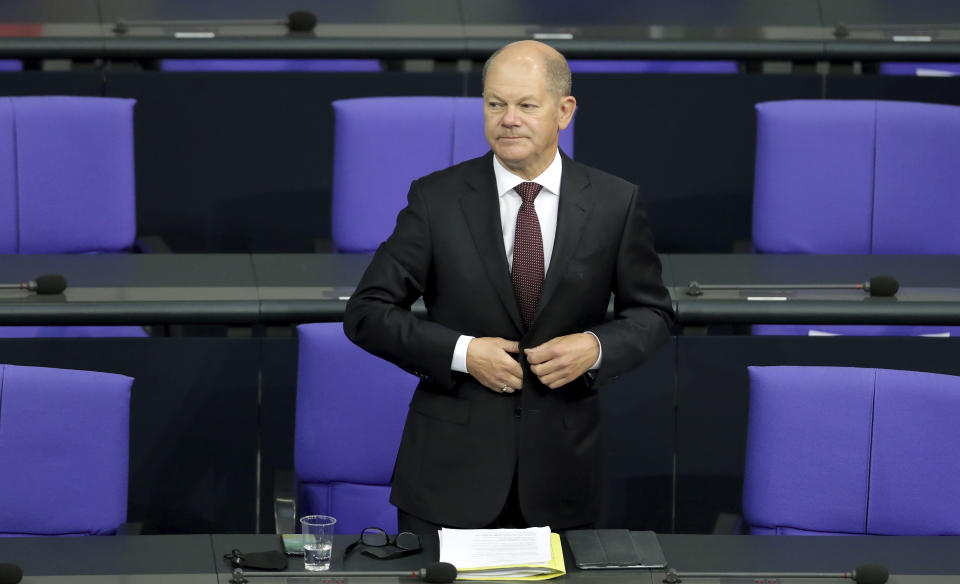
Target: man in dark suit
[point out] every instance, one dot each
(515, 255)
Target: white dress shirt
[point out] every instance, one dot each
(547, 203)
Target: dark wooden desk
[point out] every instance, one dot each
(137, 289)
(198, 559)
(241, 289)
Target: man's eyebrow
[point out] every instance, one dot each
(489, 96)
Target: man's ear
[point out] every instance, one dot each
(566, 107)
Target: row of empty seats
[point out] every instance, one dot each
(830, 450)
(831, 176)
(874, 142)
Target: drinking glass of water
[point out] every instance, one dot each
(317, 533)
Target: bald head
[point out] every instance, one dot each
(555, 69)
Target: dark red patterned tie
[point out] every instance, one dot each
(527, 274)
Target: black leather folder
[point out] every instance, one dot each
(603, 549)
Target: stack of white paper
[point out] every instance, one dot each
(502, 554)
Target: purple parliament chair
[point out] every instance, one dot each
(919, 69)
(651, 66)
(382, 144)
(351, 407)
(273, 65)
(850, 451)
(856, 177)
(64, 441)
(66, 185)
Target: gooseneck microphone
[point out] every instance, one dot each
(46, 284)
(439, 573)
(10, 574)
(875, 286)
(864, 574)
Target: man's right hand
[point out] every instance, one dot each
(490, 363)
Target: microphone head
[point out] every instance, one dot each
(883, 286)
(51, 284)
(301, 21)
(10, 574)
(439, 573)
(870, 574)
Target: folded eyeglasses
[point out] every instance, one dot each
(406, 543)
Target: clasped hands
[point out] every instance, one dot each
(555, 363)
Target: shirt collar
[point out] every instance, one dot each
(549, 179)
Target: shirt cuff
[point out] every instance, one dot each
(459, 362)
(600, 356)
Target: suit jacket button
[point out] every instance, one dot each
(517, 412)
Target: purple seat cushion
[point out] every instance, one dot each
(355, 506)
(862, 330)
(270, 65)
(920, 69)
(842, 450)
(856, 177)
(797, 416)
(9, 218)
(635, 66)
(99, 332)
(916, 202)
(64, 439)
(915, 470)
(69, 180)
(813, 181)
(382, 144)
(351, 407)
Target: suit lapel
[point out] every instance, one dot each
(481, 211)
(575, 205)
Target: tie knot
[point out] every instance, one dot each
(528, 191)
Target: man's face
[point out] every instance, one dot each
(521, 119)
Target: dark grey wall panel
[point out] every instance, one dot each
(52, 83)
(944, 90)
(637, 438)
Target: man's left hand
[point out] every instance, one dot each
(563, 359)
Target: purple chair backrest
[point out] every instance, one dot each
(842, 450)
(66, 175)
(382, 144)
(274, 65)
(351, 407)
(919, 69)
(856, 177)
(650, 66)
(64, 442)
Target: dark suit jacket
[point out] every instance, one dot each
(462, 442)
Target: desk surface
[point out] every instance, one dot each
(473, 28)
(199, 558)
(133, 289)
(241, 289)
